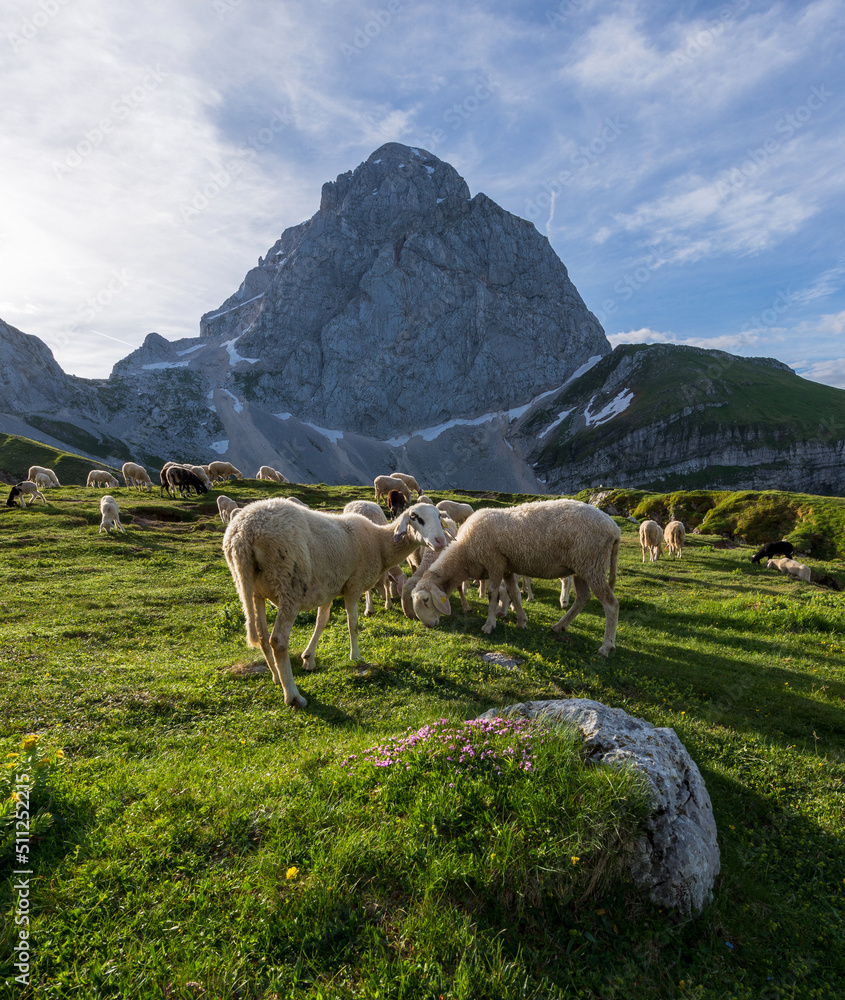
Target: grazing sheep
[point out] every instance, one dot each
(546, 539)
(425, 561)
(201, 474)
(43, 481)
(674, 535)
(791, 568)
(774, 549)
(651, 539)
(34, 471)
(136, 475)
(396, 502)
(266, 472)
(222, 471)
(225, 507)
(20, 491)
(111, 515)
(410, 482)
(181, 478)
(383, 485)
(99, 477)
(163, 478)
(422, 498)
(301, 559)
(459, 512)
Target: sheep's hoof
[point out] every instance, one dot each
(488, 627)
(606, 649)
(559, 627)
(307, 662)
(297, 701)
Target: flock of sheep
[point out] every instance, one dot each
(281, 551)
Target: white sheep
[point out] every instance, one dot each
(674, 535)
(384, 484)
(791, 567)
(136, 475)
(226, 506)
(267, 472)
(651, 539)
(409, 481)
(425, 561)
(459, 512)
(201, 474)
(100, 477)
(392, 578)
(42, 480)
(422, 498)
(35, 469)
(20, 491)
(111, 515)
(301, 559)
(222, 471)
(545, 539)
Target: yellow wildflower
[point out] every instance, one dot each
(292, 872)
(30, 741)
(574, 860)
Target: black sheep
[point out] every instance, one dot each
(184, 480)
(771, 549)
(396, 502)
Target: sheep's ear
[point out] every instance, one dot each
(402, 527)
(441, 601)
(446, 531)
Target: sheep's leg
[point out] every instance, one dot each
(582, 595)
(279, 648)
(308, 653)
(529, 592)
(493, 583)
(352, 623)
(565, 590)
(604, 592)
(513, 593)
(462, 590)
(369, 606)
(643, 553)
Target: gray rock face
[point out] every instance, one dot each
(403, 303)
(677, 861)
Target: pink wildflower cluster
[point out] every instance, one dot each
(472, 746)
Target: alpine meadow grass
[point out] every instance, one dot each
(205, 840)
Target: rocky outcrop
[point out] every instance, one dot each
(677, 860)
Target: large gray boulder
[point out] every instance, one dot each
(677, 860)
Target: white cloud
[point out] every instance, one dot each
(831, 372)
(732, 343)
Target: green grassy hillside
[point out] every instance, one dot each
(208, 841)
(17, 454)
(689, 404)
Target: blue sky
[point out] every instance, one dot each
(686, 160)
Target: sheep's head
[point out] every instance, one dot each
(426, 522)
(429, 604)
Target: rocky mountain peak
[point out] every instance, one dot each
(395, 183)
(403, 303)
